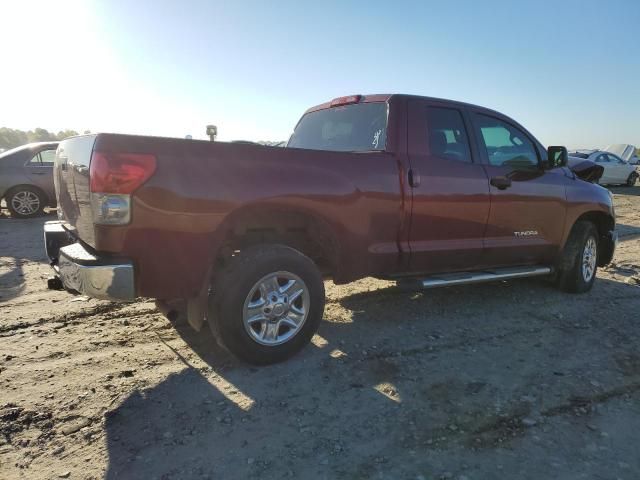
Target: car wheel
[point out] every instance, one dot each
(266, 304)
(25, 202)
(577, 271)
(631, 181)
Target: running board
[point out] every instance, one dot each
(465, 278)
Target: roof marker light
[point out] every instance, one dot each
(348, 100)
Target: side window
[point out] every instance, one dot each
(47, 157)
(36, 161)
(614, 159)
(602, 158)
(447, 135)
(506, 145)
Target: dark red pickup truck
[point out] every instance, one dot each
(424, 191)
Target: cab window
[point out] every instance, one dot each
(448, 137)
(505, 144)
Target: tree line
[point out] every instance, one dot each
(11, 137)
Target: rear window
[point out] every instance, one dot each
(352, 128)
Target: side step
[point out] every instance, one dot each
(465, 278)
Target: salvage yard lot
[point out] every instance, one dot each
(503, 380)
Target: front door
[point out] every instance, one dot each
(618, 170)
(527, 214)
(450, 191)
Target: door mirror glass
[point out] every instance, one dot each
(557, 157)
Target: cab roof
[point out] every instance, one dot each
(386, 97)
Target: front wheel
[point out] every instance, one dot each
(577, 271)
(266, 304)
(631, 181)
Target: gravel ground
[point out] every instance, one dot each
(505, 380)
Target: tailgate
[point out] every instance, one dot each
(71, 179)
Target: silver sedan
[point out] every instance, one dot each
(26, 178)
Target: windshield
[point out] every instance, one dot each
(579, 155)
(352, 128)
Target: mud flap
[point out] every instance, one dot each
(197, 311)
(607, 248)
(197, 306)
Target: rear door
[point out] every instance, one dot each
(528, 206)
(450, 192)
(39, 171)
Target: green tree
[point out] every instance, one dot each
(11, 138)
(62, 134)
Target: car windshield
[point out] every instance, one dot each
(352, 128)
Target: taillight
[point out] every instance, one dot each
(113, 177)
(120, 172)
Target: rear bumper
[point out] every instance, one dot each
(101, 277)
(607, 248)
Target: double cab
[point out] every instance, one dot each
(423, 191)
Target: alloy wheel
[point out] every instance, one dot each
(25, 202)
(276, 308)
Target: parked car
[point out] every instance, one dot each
(625, 151)
(423, 191)
(26, 178)
(616, 170)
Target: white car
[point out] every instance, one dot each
(616, 170)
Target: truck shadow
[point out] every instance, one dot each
(627, 232)
(634, 191)
(393, 374)
(20, 242)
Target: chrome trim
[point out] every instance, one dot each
(465, 278)
(97, 280)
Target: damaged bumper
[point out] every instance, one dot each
(96, 276)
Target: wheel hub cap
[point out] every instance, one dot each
(276, 308)
(589, 258)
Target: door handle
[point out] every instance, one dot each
(501, 183)
(414, 178)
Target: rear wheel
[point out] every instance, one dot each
(579, 265)
(631, 181)
(266, 304)
(25, 202)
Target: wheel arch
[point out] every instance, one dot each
(297, 228)
(604, 223)
(10, 190)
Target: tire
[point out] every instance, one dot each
(250, 312)
(631, 181)
(25, 202)
(579, 265)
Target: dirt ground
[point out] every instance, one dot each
(509, 380)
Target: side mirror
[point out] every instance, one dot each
(557, 157)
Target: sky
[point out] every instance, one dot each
(568, 70)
